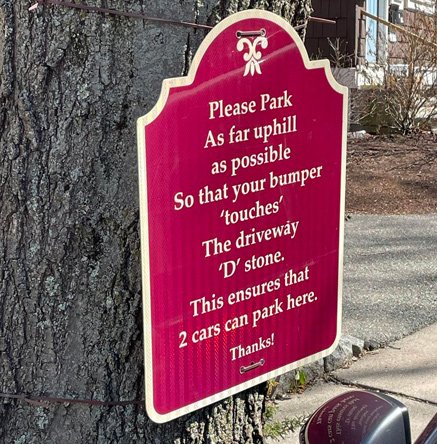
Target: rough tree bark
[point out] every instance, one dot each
(72, 85)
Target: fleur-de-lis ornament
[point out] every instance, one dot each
(252, 57)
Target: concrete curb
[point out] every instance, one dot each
(405, 370)
(349, 349)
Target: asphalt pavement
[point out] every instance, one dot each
(389, 293)
(390, 276)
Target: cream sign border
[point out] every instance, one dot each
(152, 115)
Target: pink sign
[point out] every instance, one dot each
(242, 174)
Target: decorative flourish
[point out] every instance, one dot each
(252, 57)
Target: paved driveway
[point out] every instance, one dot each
(390, 275)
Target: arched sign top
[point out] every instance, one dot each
(242, 176)
(224, 40)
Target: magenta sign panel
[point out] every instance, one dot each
(241, 196)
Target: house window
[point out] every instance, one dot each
(376, 32)
(395, 14)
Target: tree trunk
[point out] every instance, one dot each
(72, 84)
